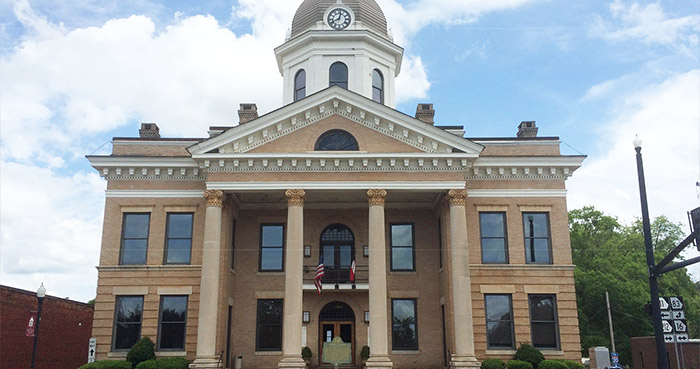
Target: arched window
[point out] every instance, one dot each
(338, 248)
(377, 86)
(300, 85)
(336, 140)
(339, 75)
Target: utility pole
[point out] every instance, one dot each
(612, 335)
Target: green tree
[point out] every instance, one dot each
(611, 257)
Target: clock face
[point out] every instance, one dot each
(339, 18)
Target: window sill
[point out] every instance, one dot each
(405, 352)
(117, 354)
(500, 352)
(551, 352)
(171, 353)
(403, 272)
(268, 353)
(276, 273)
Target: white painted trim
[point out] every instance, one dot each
(530, 161)
(155, 193)
(515, 193)
(142, 161)
(334, 155)
(185, 143)
(517, 142)
(360, 185)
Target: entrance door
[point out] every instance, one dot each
(336, 320)
(338, 248)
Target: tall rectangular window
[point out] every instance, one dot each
(268, 336)
(404, 324)
(543, 321)
(134, 238)
(402, 247)
(499, 322)
(128, 314)
(178, 243)
(271, 248)
(494, 245)
(172, 323)
(538, 248)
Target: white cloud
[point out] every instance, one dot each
(412, 83)
(51, 228)
(649, 24)
(666, 117)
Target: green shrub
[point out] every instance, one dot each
(306, 353)
(107, 364)
(552, 364)
(519, 364)
(529, 354)
(571, 364)
(148, 364)
(364, 353)
(172, 363)
(493, 364)
(142, 350)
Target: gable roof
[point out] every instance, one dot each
(336, 100)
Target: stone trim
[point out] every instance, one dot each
(185, 290)
(541, 289)
(137, 209)
(136, 290)
(490, 288)
(535, 208)
(180, 209)
(490, 208)
(376, 197)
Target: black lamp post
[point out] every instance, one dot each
(653, 275)
(40, 294)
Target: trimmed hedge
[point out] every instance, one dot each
(519, 364)
(148, 364)
(493, 364)
(552, 364)
(142, 350)
(571, 364)
(172, 363)
(530, 354)
(107, 364)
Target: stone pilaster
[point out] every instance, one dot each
(209, 286)
(378, 319)
(463, 355)
(293, 282)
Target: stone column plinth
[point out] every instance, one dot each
(378, 320)
(293, 282)
(209, 286)
(463, 355)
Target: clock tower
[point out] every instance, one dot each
(340, 42)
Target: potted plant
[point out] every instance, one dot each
(306, 355)
(364, 354)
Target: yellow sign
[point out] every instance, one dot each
(337, 352)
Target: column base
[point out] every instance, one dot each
(292, 362)
(459, 361)
(206, 363)
(378, 362)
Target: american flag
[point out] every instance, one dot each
(319, 274)
(352, 271)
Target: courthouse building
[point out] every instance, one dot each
(461, 245)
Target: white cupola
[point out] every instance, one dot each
(340, 42)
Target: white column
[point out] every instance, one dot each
(463, 355)
(378, 320)
(293, 282)
(209, 285)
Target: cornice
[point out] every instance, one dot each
(333, 185)
(524, 168)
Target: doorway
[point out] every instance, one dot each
(336, 320)
(338, 248)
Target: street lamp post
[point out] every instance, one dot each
(40, 294)
(653, 275)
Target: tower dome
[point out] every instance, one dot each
(366, 12)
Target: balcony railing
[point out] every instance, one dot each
(338, 276)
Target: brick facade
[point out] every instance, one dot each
(64, 332)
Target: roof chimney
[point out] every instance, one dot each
(426, 113)
(149, 130)
(247, 112)
(527, 129)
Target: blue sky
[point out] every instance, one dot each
(74, 74)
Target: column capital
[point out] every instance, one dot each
(376, 197)
(214, 197)
(458, 197)
(295, 197)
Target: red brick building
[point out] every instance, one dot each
(64, 332)
(644, 354)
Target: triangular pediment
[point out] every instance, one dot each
(291, 128)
